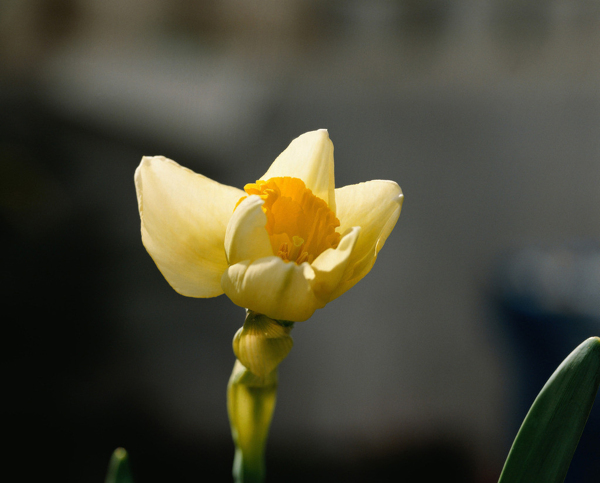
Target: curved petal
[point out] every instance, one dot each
(184, 217)
(331, 265)
(375, 207)
(280, 290)
(246, 237)
(310, 158)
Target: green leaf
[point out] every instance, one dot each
(549, 435)
(118, 468)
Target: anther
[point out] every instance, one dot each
(302, 258)
(284, 252)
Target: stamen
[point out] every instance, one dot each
(284, 252)
(302, 258)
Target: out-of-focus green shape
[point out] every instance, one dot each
(548, 437)
(118, 468)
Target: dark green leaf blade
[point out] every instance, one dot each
(550, 432)
(118, 468)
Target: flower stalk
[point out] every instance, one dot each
(250, 403)
(260, 345)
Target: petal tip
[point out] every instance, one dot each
(400, 198)
(317, 136)
(398, 195)
(149, 159)
(324, 134)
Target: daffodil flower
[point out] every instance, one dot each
(282, 248)
(285, 246)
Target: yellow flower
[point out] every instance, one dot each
(286, 246)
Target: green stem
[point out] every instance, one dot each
(250, 403)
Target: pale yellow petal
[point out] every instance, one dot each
(246, 237)
(330, 266)
(310, 158)
(280, 290)
(184, 217)
(375, 207)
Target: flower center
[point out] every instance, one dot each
(300, 225)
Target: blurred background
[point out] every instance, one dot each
(487, 113)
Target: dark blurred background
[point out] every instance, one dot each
(487, 113)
